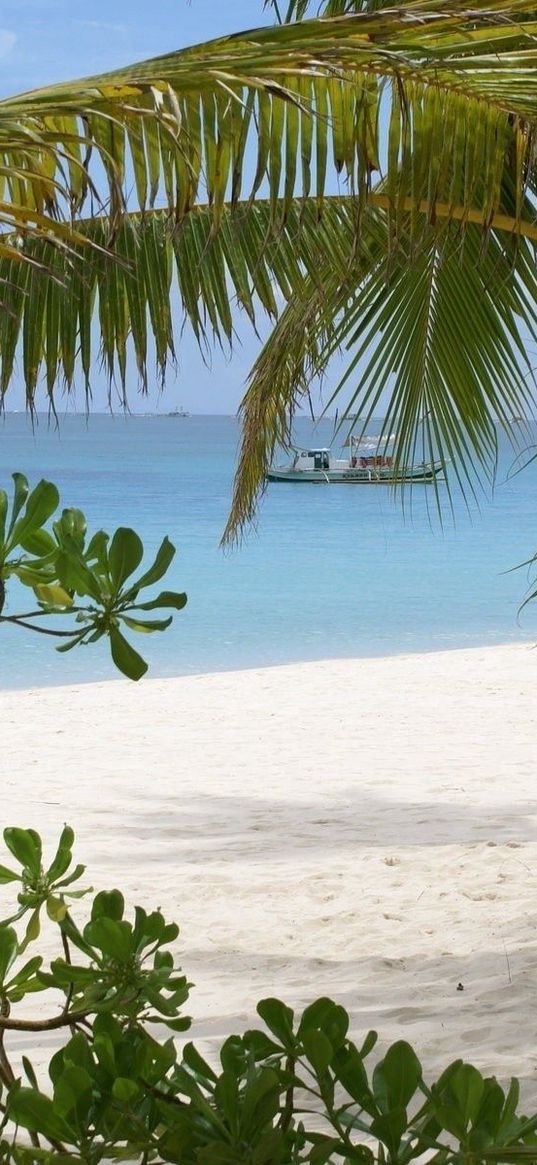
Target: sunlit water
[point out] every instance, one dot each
(329, 572)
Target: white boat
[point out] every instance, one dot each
(361, 467)
(178, 413)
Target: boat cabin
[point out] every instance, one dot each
(313, 459)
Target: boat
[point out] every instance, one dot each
(178, 413)
(361, 467)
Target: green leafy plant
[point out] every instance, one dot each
(87, 581)
(296, 1089)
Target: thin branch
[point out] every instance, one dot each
(40, 630)
(69, 996)
(288, 1109)
(43, 614)
(6, 1071)
(41, 1025)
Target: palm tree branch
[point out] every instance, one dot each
(187, 122)
(441, 375)
(157, 270)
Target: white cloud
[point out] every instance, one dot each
(7, 40)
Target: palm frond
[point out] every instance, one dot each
(459, 88)
(241, 142)
(157, 271)
(435, 342)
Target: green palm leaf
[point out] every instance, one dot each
(435, 341)
(429, 114)
(153, 270)
(459, 88)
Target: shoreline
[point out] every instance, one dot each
(529, 642)
(361, 828)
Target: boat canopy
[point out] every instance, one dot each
(366, 441)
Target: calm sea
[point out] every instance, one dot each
(329, 571)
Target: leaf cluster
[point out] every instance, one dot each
(85, 581)
(295, 1089)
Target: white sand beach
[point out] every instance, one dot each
(365, 829)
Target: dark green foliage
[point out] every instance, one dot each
(295, 1090)
(62, 566)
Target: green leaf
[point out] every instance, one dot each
(175, 599)
(20, 493)
(467, 1086)
(390, 1128)
(72, 877)
(125, 1091)
(108, 904)
(197, 1064)
(36, 1112)
(368, 1044)
(62, 859)
(25, 845)
(9, 948)
(332, 1019)
(29, 1072)
(75, 575)
(27, 971)
(8, 876)
(396, 1078)
(56, 908)
(165, 555)
(146, 626)
(41, 504)
(33, 930)
(98, 550)
(125, 555)
(39, 543)
(318, 1049)
(71, 528)
(53, 595)
(278, 1018)
(349, 1070)
(3, 515)
(113, 938)
(125, 657)
(73, 1096)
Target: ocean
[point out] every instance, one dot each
(328, 571)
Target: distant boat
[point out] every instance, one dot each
(360, 468)
(178, 413)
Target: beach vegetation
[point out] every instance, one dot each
(295, 1088)
(83, 585)
(363, 175)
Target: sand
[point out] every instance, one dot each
(364, 829)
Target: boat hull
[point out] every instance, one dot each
(355, 476)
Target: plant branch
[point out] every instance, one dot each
(40, 630)
(69, 995)
(42, 614)
(6, 1071)
(289, 1104)
(41, 1025)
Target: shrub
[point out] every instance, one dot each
(297, 1089)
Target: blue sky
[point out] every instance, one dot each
(43, 41)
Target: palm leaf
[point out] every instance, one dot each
(182, 121)
(52, 303)
(231, 121)
(442, 375)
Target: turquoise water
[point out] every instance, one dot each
(329, 572)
